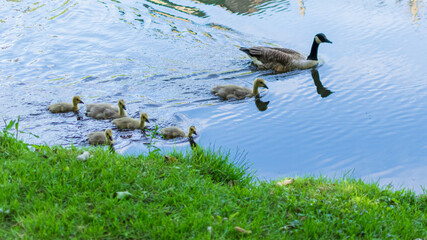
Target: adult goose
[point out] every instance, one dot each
(238, 92)
(131, 123)
(284, 60)
(66, 107)
(106, 111)
(102, 137)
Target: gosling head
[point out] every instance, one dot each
(321, 38)
(259, 82)
(122, 104)
(109, 136)
(191, 131)
(144, 117)
(77, 100)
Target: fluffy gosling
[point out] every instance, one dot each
(66, 107)
(175, 132)
(131, 123)
(106, 111)
(238, 92)
(101, 138)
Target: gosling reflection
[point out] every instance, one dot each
(193, 143)
(414, 5)
(262, 106)
(321, 90)
(301, 7)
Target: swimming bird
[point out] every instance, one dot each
(102, 137)
(131, 123)
(284, 59)
(238, 92)
(175, 132)
(66, 107)
(106, 111)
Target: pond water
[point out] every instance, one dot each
(362, 111)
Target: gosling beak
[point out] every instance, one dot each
(195, 133)
(124, 107)
(265, 86)
(81, 101)
(147, 120)
(111, 138)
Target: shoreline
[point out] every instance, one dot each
(49, 193)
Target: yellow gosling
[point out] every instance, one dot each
(131, 123)
(238, 92)
(106, 111)
(101, 138)
(66, 107)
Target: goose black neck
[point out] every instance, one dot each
(313, 53)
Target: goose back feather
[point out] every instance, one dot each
(172, 132)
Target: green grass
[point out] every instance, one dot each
(46, 193)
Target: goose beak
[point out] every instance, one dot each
(124, 107)
(327, 41)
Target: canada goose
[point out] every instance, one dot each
(106, 111)
(102, 137)
(66, 107)
(131, 123)
(283, 59)
(237, 92)
(174, 132)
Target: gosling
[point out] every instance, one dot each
(175, 132)
(66, 107)
(238, 92)
(101, 138)
(106, 111)
(131, 123)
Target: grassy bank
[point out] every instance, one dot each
(48, 193)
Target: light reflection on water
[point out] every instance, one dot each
(363, 109)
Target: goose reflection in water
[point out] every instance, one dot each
(321, 90)
(262, 106)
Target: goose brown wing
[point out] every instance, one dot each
(287, 51)
(273, 55)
